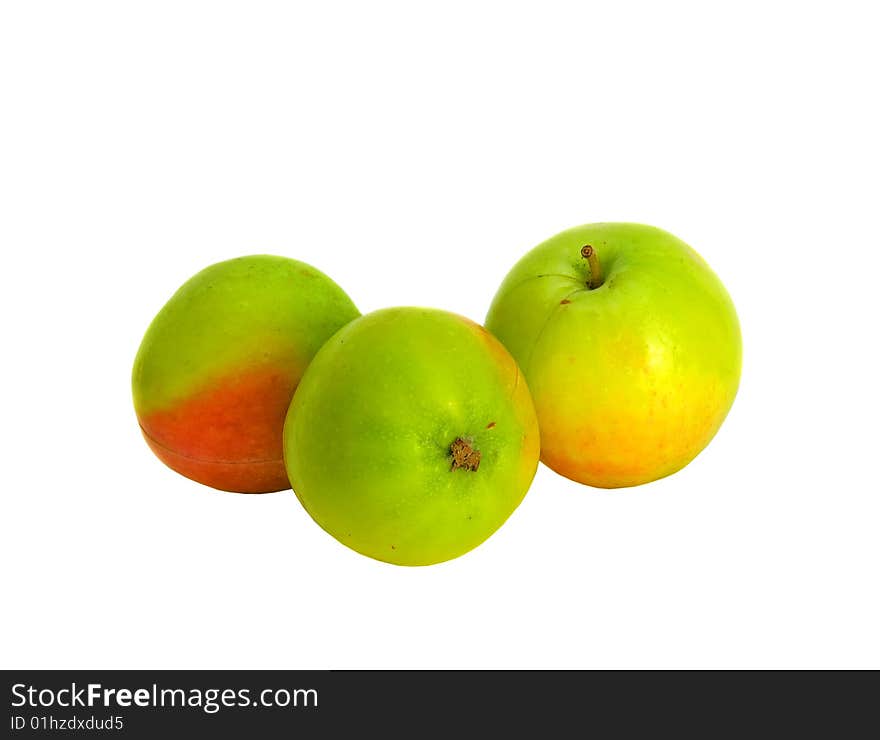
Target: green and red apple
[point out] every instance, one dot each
(412, 436)
(217, 368)
(631, 348)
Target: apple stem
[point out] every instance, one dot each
(589, 254)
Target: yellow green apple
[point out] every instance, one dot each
(631, 348)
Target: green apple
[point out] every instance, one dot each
(631, 348)
(412, 436)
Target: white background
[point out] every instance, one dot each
(414, 151)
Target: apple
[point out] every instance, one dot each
(631, 348)
(412, 436)
(216, 370)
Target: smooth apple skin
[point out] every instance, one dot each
(630, 380)
(216, 370)
(368, 436)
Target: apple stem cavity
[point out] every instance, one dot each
(589, 254)
(465, 455)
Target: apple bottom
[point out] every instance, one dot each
(229, 434)
(626, 450)
(266, 476)
(605, 475)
